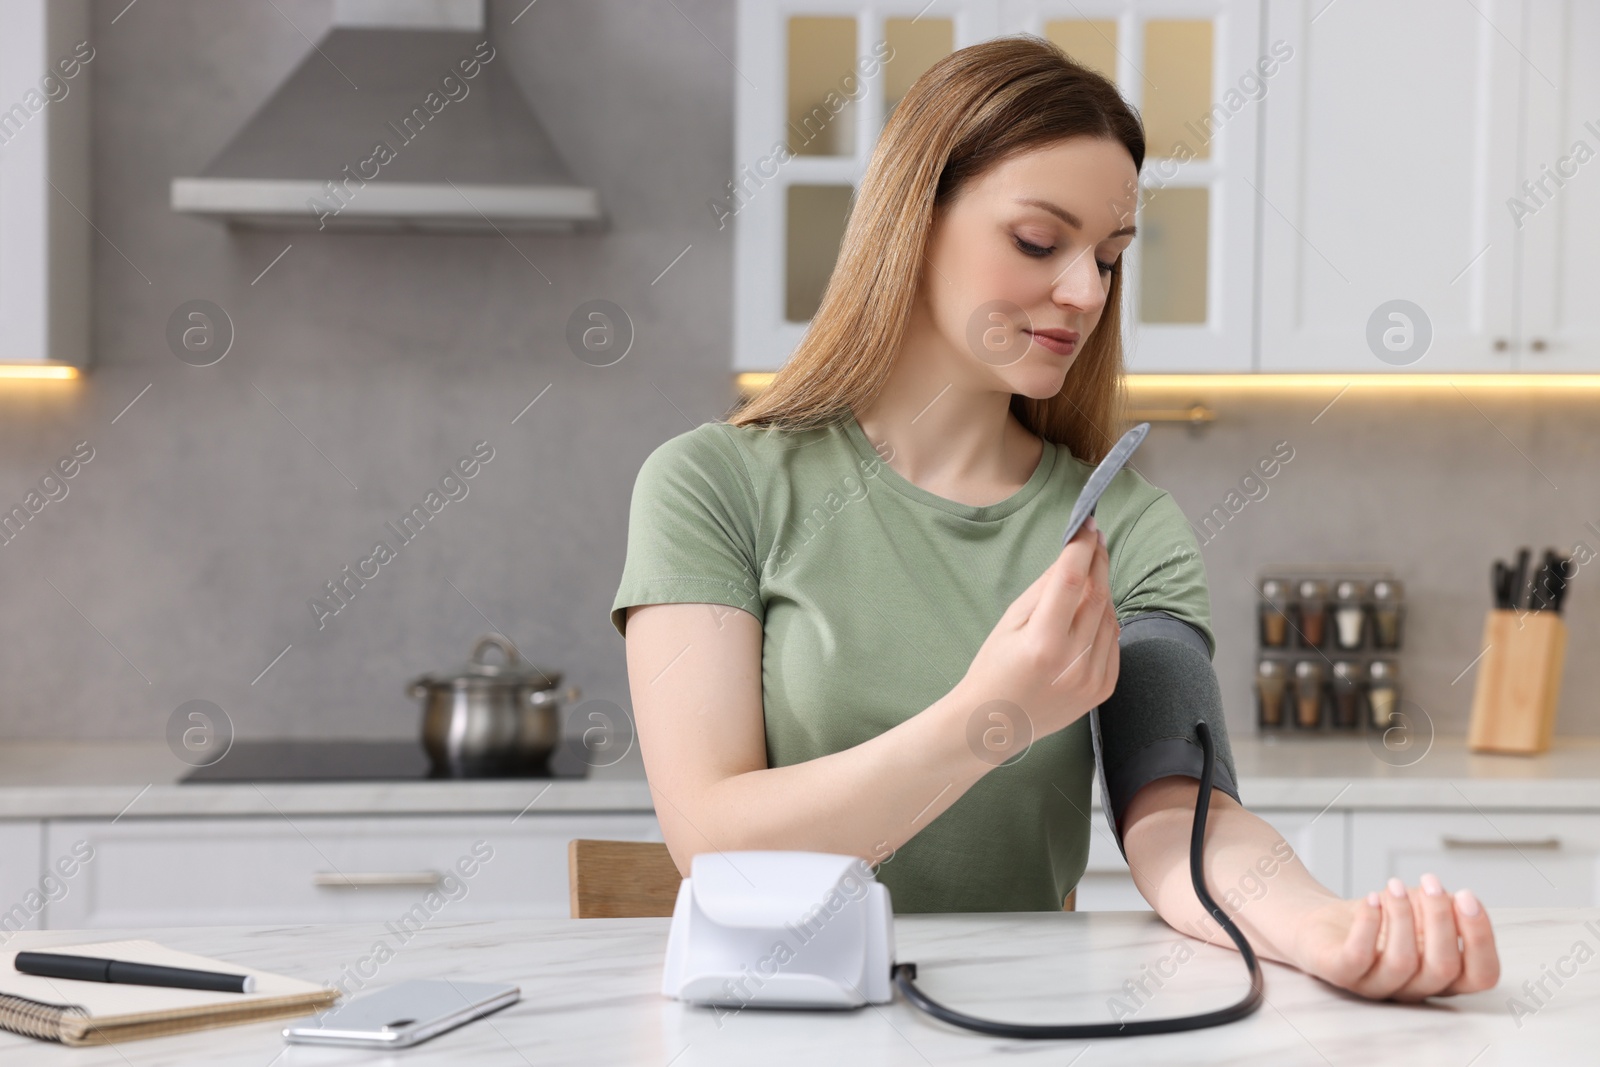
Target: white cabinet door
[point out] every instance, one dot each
(23, 892)
(1556, 201)
(1389, 152)
(1508, 859)
(46, 64)
(1319, 841)
(401, 870)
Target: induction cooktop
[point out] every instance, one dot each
(360, 761)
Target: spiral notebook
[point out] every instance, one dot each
(97, 1013)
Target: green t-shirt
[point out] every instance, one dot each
(875, 594)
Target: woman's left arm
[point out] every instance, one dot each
(1399, 944)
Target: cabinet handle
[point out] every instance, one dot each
(1538, 344)
(371, 879)
(1501, 344)
(1499, 842)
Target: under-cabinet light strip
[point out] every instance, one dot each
(48, 371)
(750, 383)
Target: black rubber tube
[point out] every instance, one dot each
(904, 974)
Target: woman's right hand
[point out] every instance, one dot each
(1051, 658)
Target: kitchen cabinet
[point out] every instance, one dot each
(403, 870)
(213, 870)
(22, 891)
(1397, 154)
(1353, 188)
(45, 201)
(1318, 839)
(1509, 859)
(833, 69)
(1559, 329)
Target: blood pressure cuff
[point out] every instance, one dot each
(1146, 729)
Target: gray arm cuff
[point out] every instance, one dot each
(1167, 682)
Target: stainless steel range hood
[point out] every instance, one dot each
(402, 118)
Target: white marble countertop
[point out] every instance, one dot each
(591, 995)
(58, 779)
(71, 779)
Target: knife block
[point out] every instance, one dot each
(1519, 682)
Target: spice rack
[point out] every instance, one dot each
(1328, 639)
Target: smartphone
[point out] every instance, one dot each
(403, 1014)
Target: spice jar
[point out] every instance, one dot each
(1274, 613)
(1272, 685)
(1313, 612)
(1388, 608)
(1348, 676)
(1308, 678)
(1383, 692)
(1349, 614)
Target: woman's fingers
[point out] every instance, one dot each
(1480, 960)
(1441, 958)
(1027, 602)
(1360, 949)
(1061, 594)
(1084, 642)
(1101, 659)
(1397, 963)
(1405, 947)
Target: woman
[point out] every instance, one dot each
(850, 626)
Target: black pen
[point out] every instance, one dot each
(94, 969)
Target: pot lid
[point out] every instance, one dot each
(481, 668)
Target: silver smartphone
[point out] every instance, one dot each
(403, 1014)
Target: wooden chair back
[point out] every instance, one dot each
(632, 879)
(620, 879)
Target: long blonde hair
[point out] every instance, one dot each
(969, 111)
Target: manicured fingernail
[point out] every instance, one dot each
(1397, 888)
(1089, 522)
(1431, 885)
(1374, 899)
(1102, 534)
(1467, 902)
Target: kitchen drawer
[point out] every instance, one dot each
(225, 871)
(1508, 859)
(1319, 841)
(23, 891)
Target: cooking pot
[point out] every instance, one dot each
(488, 718)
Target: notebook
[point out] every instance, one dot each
(97, 1013)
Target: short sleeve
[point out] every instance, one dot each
(1156, 566)
(692, 528)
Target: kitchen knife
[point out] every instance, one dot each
(1548, 578)
(1500, 579)
(1519, 577)
(1101, 478)
(1559, 593)
(1537, 587)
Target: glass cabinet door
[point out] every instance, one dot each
(1187, 276)
(821, 78)
(823, 91)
